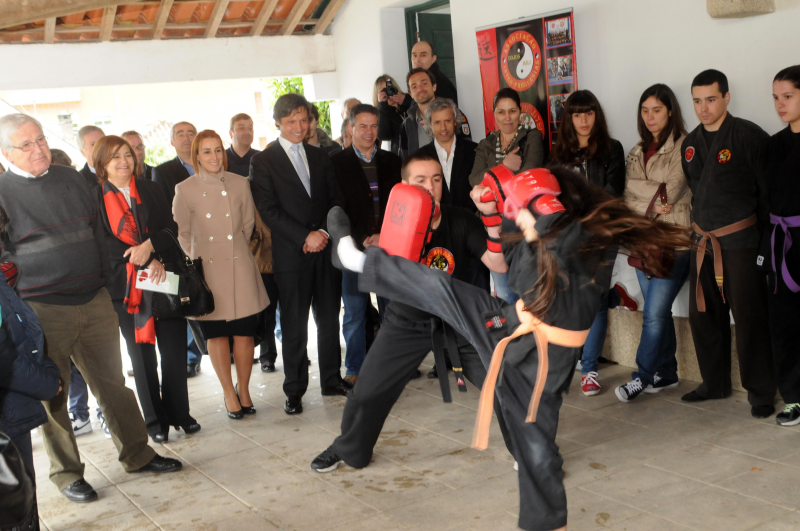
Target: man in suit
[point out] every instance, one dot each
(175, 171)
(88, 135)
(143, 170)
(424, 56)
(366, 175)
(294, 185)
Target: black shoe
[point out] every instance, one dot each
(337, 390)
(433, 373)
(161, 464)
(327, 461)
(190, 428)
(693, 396)
(268, 366)
(338, 228)
(293, 405)
(80, 492)
(247, 410)
(416, 374)
(160, 438)
(762, 412)
(235, 415)
(192, 370)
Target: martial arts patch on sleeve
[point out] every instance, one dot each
(689, 154)
(496, 323)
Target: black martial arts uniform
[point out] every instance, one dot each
(484, 320)
(782, 165)
(728, 186)
(406, 338)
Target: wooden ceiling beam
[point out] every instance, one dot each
(216, 18)
(161, 19)
(17, 13)
(327, 16)
(263, 17)
(294, 17)
(109, 15)
(50, 30)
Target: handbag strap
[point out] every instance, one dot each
(661, 192)
(186, 258)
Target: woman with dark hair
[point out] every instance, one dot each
(512, 145)
(557, 258)
(138, 223)
(781, 162)
(585, 146)
(654, 172)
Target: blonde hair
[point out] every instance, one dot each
(202, 135)
(377, 87)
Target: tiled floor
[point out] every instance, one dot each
(655, 464)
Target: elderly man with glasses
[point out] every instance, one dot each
(56, 239)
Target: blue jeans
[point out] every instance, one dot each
(656, 353)
(193, 354)
(78, 395)
(278, 330)
(597, 334)
(354, 322)
(501, 288)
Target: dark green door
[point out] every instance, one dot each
(436, 29)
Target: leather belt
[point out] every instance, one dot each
(544, 335)
(702, 247)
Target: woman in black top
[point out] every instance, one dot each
(137, 218)
(781, 162)
(392, 110)
(585, 145)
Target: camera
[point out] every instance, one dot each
(390, 89)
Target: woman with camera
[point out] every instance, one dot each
(392, 105)
(137, 221)
(215, 214)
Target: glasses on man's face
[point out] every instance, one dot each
(27, 147)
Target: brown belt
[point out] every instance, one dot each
(544, 335)
(702, 247)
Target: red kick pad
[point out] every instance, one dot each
(407, 223)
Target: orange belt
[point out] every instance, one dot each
(702, 247)
(544, 334)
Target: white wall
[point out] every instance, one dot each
(119, 63)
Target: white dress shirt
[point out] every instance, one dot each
(22, 173)
(287, 147)
(445, 160)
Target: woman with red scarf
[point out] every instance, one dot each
(136, 215)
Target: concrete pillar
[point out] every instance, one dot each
(739, 8)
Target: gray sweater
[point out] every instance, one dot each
(55, 237)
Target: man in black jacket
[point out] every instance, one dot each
(730, 208)
(241, 151)
(366, 175)
(143, 170)
(294, 185)
(424, 56)
(169, 174)
(88, 135)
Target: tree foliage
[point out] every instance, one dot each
(278, 86)
(155, 154)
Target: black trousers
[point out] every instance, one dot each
(394, 356)
(543, 500)
(784, 319)
(317, 287)
(168, 405)
(25, 449)
(269, 350)
(745, 291)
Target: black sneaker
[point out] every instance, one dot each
(790, 416)
(327, 461)
(660, 383)
(629, 391)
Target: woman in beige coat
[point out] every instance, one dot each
(656, 160)
(215, 214)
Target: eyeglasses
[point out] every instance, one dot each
(27, 147)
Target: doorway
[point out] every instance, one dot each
(430, 22)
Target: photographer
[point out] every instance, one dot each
(392, 105)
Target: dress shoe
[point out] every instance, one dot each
(416, 374)
(693, 396)
(433, 373)
(337, 390)
(268, 366)
(192, 370)
(161, 464)
(247, 410)
(80, 492)
(338, 228)
(160, 438)
(293, 405)
(762, 412)
(349, 381)
(235, 415)
(188, 429)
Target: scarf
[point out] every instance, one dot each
(500, 154)
(124, 221)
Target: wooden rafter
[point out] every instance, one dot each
(216, 18)
(327, 16)
(161, 18)
(17, 13)
(294, 17)
(50, 30)
(109, 14)
(263, 17)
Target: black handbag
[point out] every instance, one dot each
(194, 299)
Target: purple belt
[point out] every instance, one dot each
(784, 224)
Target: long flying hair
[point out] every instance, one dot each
(567, 145)
(611, 223)
(675, 124)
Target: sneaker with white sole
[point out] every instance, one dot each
(790, 416)
(629, 391)
(103, 424)
(327, 461)
(81, 427)
(589, 384)
(660, 383)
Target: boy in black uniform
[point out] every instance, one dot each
(405, 337)
(729, 211)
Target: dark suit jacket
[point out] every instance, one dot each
(286, 207)
(147, 174)
(90, 177)
(458, 192)
(444, 87)
(169, 174)
(358, 198)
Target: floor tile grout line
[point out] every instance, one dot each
(759, 524)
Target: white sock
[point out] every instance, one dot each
(351, 257)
